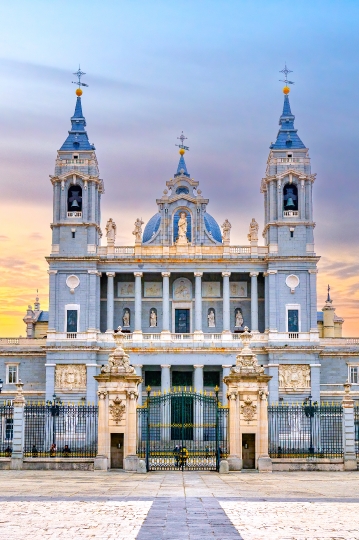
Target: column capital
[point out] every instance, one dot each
(198, 366)
(226, 274)
(272, 272)
(94, 272)
(227, 366)
(52, 272)
(165, 274)
(198, 274)
(110, 274)
(138, 365)
(138, 274)
(165, 365)
(313, 271)
(254, 274)
(265, 274)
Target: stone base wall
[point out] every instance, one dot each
(5, 464)
(308, 464)
(58, 464)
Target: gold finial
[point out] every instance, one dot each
(286, 89)
(79, 74)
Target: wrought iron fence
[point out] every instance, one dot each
(356, 426)
(182, 431)
(6, 429)
(56, 430)
(307, 430)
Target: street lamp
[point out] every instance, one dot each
(55, 411)
(1, 384)
(310, 409)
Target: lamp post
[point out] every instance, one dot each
(310, 409)
(55, 411)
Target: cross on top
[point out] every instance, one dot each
(286, 71)
(79, 74)
(182, 138)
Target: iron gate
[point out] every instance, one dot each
(182, 430)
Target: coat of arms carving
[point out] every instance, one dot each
(248, 409)
(117, 409)
(70, 377)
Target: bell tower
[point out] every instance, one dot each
(287, 189)
(77, 190)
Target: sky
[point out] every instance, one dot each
(155, 68)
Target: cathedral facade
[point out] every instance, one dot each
(182, 293)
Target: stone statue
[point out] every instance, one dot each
(126, 318)
(239, 319)
(253, 231)
(153, 319)
(138, 230)
(111, 231)
(211, 319)
(226, 231)
(182, 229)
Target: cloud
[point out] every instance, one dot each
(35, 236)
(3, 238)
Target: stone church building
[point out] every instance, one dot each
(182, 292)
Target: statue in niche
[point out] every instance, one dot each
(153, 319)
(211, 319)
(182, 229)
(126, 318)
(239, 319)
(138, 229)
(226, 227)
(111, 231)
(253, 231)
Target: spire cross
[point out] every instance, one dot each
(182, 138)
(286, 71)
(79, 74)
(328, 297)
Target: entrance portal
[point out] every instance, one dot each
(182, 321)
(249, 450)
(116, 450)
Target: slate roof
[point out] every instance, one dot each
(43, 317)
(151, 227)
(182, 167)
(77, 139)
(287, 137)
(212, 227)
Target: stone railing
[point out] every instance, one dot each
(27, 342)
(341, 342)
(219, 251)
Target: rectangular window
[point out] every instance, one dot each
(211, 379)
(152, 378)
(12, 374)
(182, 378)
(293, 320)
(353, 374)
(71, 320)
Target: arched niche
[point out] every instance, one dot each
(290, 197)
(238, 319)
(182, 289)
(177, 216)
(152, 318)
(126, 318)
(211, 318)
(74, 199)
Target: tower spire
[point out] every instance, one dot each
(182, 168)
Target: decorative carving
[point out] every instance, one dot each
(126, 318)
(246, 360)
(133, 394)
(153, 319)
(263, 394)
(292, 281)
(211, 319)
(111, 232)
(117, 409)
(211, 289)
(138, 230)
(182, 289)
(253, 231)
(182, 229)
(226, 228)
(294, 376)
(126, 289)
(118, 361)
(70, 377)
(232, 396)
(248, 409)
(72, 282)
(239, 319)
(102, 394)
(238, 289)
(152, 289)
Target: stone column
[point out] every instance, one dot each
(110, 301)
(103, 438)
(198, 303)
(313, 301)
(92, 301)
(315, 381)
(198, 409)
(272, 300)
(266, 302)
(17, 455)
(350, 461)
(138, 302)
(254, 301)
(165, 378)
(138, 369)
(264, 461)
(50, 381)
(198, 378)
(273, 384)
(91, 386)
(52, 300)
(225, 372)
(166, 408)
(226, 303)
(166, 305)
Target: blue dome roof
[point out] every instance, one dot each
(152, 227)
(212, 227)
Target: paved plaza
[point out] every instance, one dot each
(174, 505)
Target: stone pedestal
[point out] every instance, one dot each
(118, 394)
(247, 392)
(350, 460)
(17, 455)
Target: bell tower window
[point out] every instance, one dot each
(290, 199)
(74, 201)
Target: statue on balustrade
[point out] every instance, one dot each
(153, 318)
(253, 231)
(211, 319)
(226, 227)
(138, 230)
(126, 318)
(111, 231)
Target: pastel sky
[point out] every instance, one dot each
(155, 68)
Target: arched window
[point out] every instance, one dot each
(211, 317)
(182, 226)
(153, 323)
(74, 199)
(290, 197)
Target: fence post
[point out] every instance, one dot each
(350, 461)
(17, 455)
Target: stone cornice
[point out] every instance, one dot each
(290, 223)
